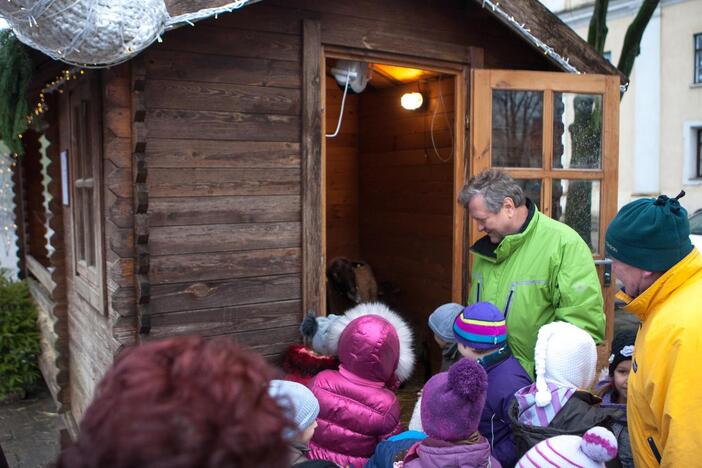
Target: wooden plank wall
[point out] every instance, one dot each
(342, 175)
(406, 198)
(224, 168)
(95, 337)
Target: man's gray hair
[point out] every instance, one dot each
(494, 186)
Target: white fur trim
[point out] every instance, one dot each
(404, 333)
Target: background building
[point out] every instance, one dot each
(660, 142)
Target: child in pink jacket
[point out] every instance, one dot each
(358, 406)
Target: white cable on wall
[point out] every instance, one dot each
(343, 101)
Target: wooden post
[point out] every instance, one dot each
(313, 260)
(141, 199)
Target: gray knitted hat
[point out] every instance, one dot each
(441, 321)
(299, 402)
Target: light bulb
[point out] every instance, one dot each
(412, 101)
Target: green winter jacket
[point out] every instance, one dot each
(542, 274)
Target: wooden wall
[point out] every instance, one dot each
(406, 200)
(96, 336)
(223, 157)
(342, 174)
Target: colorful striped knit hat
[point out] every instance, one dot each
(480, 326)
(596, 447)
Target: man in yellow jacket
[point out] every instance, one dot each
(649, 243)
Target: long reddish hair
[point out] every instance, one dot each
(182, 402)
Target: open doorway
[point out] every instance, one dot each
(389, 186)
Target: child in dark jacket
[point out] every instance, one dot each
(481, 334)
(613, 391)
(451, 406)
(558, 404)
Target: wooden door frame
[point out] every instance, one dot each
(314, 55)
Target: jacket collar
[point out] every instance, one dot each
(498, 252)
(656, 294)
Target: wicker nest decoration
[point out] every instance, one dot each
(95, 33)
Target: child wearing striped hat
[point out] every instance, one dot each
(481, 334)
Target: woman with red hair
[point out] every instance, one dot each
(180, 403)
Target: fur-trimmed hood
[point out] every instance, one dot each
(405, 360)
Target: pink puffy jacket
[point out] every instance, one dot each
(358, 409)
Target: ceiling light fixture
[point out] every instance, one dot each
(412, 101)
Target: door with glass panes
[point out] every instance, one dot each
(556, 134)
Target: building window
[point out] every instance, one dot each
(608, 55)
(698, 58)
(699, 153)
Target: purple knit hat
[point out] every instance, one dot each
(453, 401)
(480, 326)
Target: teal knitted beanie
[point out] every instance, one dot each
(652, 234)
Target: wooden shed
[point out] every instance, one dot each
(193, 189)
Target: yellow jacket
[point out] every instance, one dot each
(664, 404)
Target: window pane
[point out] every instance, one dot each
(698, 67)
(577, 131)
(532, 190)
(517, 128)
(89, 228)
(577, 204)
(696, 224)
(698, 41)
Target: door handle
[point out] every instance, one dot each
(607, 274)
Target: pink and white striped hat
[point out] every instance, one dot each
(592, 450)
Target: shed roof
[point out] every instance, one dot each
(530, 19)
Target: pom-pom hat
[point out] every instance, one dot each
(480, 326)
(592, 450)
(453, 401)
(651, 234)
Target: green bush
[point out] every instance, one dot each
(19, 339)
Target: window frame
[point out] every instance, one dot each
(698, 173)
(697, 58)
(88, 272)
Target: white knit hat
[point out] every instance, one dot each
(592, 450)
(565, 355)
(300, 404)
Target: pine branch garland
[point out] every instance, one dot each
(15, 73)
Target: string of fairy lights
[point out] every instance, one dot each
(9, 159)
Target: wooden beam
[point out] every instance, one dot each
(40, 272)
(313, 209)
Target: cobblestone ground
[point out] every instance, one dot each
(29, 431)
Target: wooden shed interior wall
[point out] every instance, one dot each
(222, 106)
(342, 176)
(389, 196)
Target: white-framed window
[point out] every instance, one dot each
(698, 58)
(692, 149)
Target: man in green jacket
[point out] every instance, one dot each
(535, 269)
